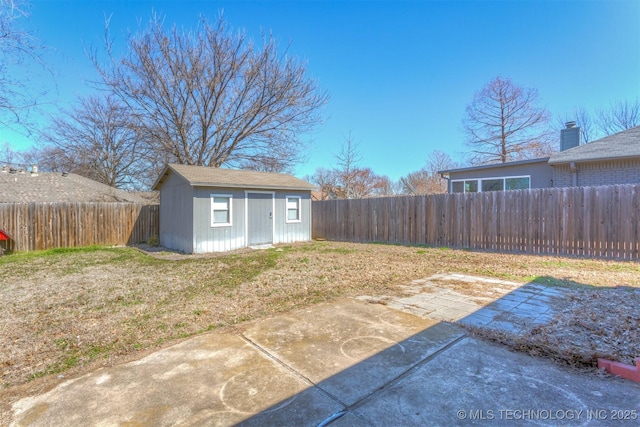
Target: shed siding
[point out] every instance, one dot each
(541, 173)
(185, 217)
(292, 232)
(217, 239)
(599, 173)
(176, 214)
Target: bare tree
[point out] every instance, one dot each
(415, 183)
(364, 182)
(583, 119)
(211, 97)
(384, 187)
(97, 139)
(348, 180)
(326, 180)
(48, 158)
(428, 179)
(8, 155)
(346, 171)
(273, 161)
(436, 162)
(619, 116)
(17, 47)
(503, 123)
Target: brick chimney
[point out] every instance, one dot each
(570, 137)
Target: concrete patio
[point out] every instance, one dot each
(345, 363)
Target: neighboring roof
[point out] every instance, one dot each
(203, 176)
(496, 165)
(26, 187)
(625, 144)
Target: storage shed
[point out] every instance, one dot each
(205, 209)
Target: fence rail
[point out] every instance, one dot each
(584, 221)
(37, 226)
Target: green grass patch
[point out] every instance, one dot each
(324, 247)
(558, 282)
(35, 255)
(129, 300)
(556, 264)
(624, 267)
(69, 260)
(235, 271)
(72, 357)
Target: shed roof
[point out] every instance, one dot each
(621, 145)
(203, 176)
(25, 187)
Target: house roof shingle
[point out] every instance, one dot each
(25, 187)
(625, 144)
(203, 176)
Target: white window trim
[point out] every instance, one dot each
(221, 224)
(479, 180)
(286, 209)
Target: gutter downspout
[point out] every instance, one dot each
(448, 178)
(574, 174)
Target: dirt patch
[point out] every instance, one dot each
(479, 292)
(69, 312)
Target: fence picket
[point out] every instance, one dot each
(584, 221)
(37, 226)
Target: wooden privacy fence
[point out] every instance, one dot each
(37, 226)
(584, 221)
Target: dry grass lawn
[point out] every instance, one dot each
(66, 312)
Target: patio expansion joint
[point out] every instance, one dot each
(296, 373)
(395, 380)
(346, 408)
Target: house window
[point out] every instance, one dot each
(221, 210)
(293, 208)
(520, 183)
(491, 184)
(468, 186)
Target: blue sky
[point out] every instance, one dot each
(399, 73)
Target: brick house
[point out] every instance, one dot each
(614, 159)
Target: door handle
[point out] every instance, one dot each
(270, 215)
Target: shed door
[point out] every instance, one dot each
(259, 218)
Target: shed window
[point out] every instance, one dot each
(221, 210)
(293, 208)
